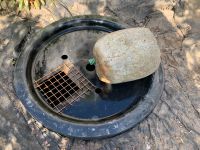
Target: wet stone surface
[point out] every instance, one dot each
(174, 123)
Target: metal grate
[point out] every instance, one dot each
(63, 86)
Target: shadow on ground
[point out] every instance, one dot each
(174, 123)
(14, 131)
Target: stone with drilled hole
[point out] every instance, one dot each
(126, 55)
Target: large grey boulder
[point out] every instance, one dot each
(126, 55)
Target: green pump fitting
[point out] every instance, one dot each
(92, 61)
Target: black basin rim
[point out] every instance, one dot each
(89, 131)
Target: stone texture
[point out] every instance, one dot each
(174, 123)
(126, 55)
(14, 130)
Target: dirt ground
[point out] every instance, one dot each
(174, 123)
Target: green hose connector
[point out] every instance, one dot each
(91, 61)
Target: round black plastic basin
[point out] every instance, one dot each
(106, 110)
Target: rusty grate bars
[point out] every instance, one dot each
(63, 86)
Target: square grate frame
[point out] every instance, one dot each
(63, 86)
